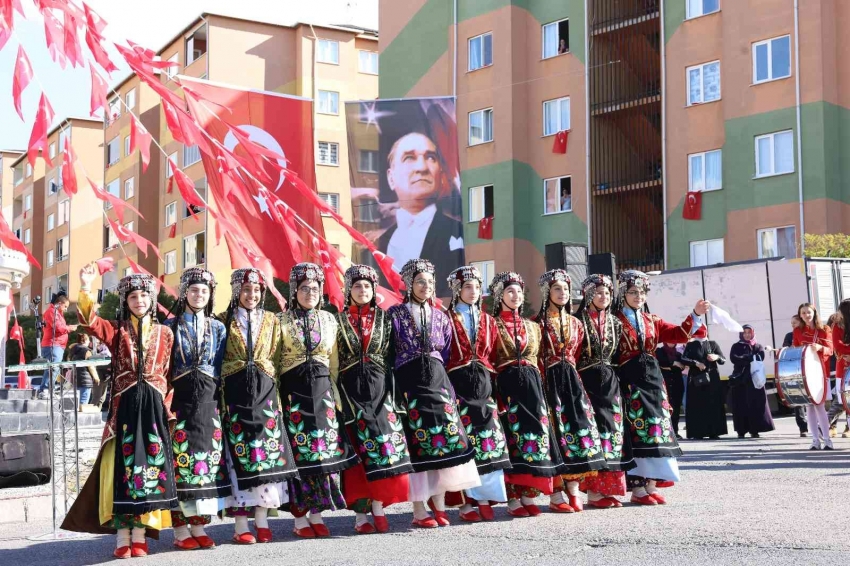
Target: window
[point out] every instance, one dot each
(64, 136)
(367, 62)
(170, 72)
(557, 195)
(332, 200)
(706, 252)
(128, 271)
(488, 271)
(193, 250)
(129, 226)
(481, 126)
(368, 161)
(51, 222)
(705, 171)
(25, 303)
(328, 153)
(201, 189)
(170, 213)
(480, 202)
(367, 210)
(114, 108)
(480, 51)
(109, 238)
(130, 99)
(697, 8)
(171, 159)
(27, 236)
(328, 52)
(127, 146)
(171, 262)
(112, 152)
(772, 59)
(52, 150)
(778, 242)
(129, 188)
(18, 233)
(28, 202)
(49, 259)
(775, 154)
(191, 155)
(48, 291)
(556, 116)
(18, 175)
(556, 38)
(114, 188)
(62, 249)
(54, 184)
(64, 214)
(29, 170)
(704, 83)
(196, 45)
(328, 102)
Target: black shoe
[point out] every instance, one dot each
(828, 447)
(814, 448)
(755, 435)
(742, 436)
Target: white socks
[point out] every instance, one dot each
(198, 531)
(377, 508)
(526, 500)
(557, 497)
(439, 501)
(315, 518)
(301, 522)
(572, 488)
(241, 524)
(639, 492)
(138, 534)
(181, 533)
(594, 496)
(650, 486)
(514, 504)
(122, 538)
(360, 519)
(419, 511)
(466, 508)
(261, 518)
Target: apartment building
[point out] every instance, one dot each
(658, 97)
(7, 182)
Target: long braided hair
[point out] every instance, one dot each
(546, 281)
(237, 279)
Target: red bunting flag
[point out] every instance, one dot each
(69, 174)
(7, 15)
(105, 265)
(17, 333)
(187, 190)
(38, 137)
(94, 22)
(5, 34)
(9, 240)
(128, 236)
(99, 90)
(560, 145)
(71, 45)
(159, 283)
(140, 139)
(172, 230)
(21, 78)
(117, 203)
(54, 33)
(692, 209)
(485, 228)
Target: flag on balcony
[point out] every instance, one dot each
(692, 209)
(485, 228)
(105, 264)
(560, 145)
(172, 231)
(21, 78)
(69, 174)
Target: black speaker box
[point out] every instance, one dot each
(605, 264)
(25, 455)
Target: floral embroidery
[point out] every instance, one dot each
(612, 442)
(439, 440)
(649, 430)
(260, 454)
(529, 446)
(197, 468)
(384, 449)
(585, 443)
(315, 445)
(146, 479)
(489, 443)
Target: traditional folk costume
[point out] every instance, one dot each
(322, 449)
(750, 409)
(576, 434)
(654, 443)
(440, 450)
(132, 483)
(816, 415)
(471, 373)
(259, 454)
(595, 367)
(197, 441)
(363, 377)
(535, 459)
(705, 410)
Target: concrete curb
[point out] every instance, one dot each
(26, 509)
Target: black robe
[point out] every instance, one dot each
(705, 413)
(674, 382)
(750, 411)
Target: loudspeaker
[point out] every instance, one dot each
(25, 453)
(605, 264)
(572, 258)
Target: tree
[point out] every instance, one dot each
(827, 245)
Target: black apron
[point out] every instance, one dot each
(603, 389)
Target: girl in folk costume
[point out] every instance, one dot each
(535, 459)
(362, 374)
(132, 483)
(440, 449)
(841, 345)
(648, 410)
(196, 439)
(576, 434)
(813, 332)
(321, 448)
(259, 455)
(470, 371)
(595, 367)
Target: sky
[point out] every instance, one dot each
(150, 23)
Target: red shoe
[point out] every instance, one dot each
(533, 510)
(139, 549)
(122, 552)
(486, 512)
(658, 498)
(205, 542)
(364, 529)
(264, 535)
(664, 484)
(321, 530)
(305, 532)
(576, 503)
(244, 538)
(428, 523)
(604, 503)
(614, 501)
(518, 512)
(645, 500)
(381, 523)
(560, 508)
(187, 544)
(442, 518)
(471, 517)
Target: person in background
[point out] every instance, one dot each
(798, 411)
(750, 412)
(562, 46)
(54, 338)
(705, 414)
(841, 344)
(670, 360)
(814, 333)
(84, 375)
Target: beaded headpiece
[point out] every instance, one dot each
(589, 285)
(247, 275)
(197, 276)
(357, 273)
(411, 269)
(545, 282)
(136, 282)
(460, 276)
(632, 278)
(301, 272)
(498, 285)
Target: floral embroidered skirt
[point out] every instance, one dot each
(315, 494)
(480, 418)
(605, 483)
(603, 389)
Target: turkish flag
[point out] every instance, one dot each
(21, 78)
(69, 174)
(560, 145)
(105, 264)
(98, 93)
(172, 231)
(140, 139)
(9, 240)
(485, 228)
(264, 222)
(38, 137)
(692, 209)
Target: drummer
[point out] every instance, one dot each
(841, 345)
(814, 333)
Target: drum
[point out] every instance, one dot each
(844, 388)
(799, 377)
